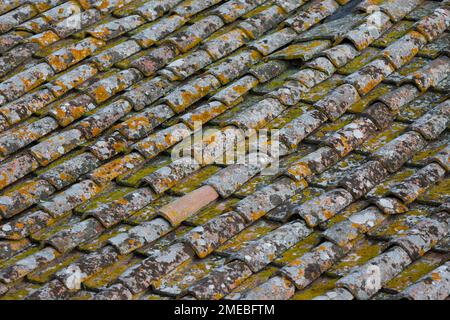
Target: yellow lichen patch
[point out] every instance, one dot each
(276, 82)
(108, 195)
(427, 153)
(257, 10)
(415, 64)
(322, 89)
(394, 224)
(253, 184)
(317, 288)
(100, 94)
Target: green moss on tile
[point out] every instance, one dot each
(106, 276)
(317, 288)
(394, 33)
(437, 194)
(133, 178)
(212, 211)
(150, 211)
(366, 100)
(256, 230)
(360, 61)
(299, 249)
(288, 115)
(379, 140)
(414, 272)
(322, 89)
(107, 196)
(195, 180)
(331, 127)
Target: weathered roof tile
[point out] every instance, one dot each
(16, 168)
(260, 252)
(209, 236)
(312, 14)
(404, 49)
(263, 21)
(140, 235)
(434, 24)
(157, 31)
(68, 110)
(345, 231)
(108, 146)
(23, 135)
(191, 92)
(305, 269)
(338, 101)
(165, 177)
(324, 206)
(65, 28)
(23, 82)
(394, 154)
(276, 288)
(106, 58)
(115, 28)
(235, 65)
(56, 146)
(141, 124)
(422, 237)
(70, 198)
(68, 239)
(24, 225)
(258, 204)
(387, 265)
(430, 74)
(15, 201)
(363, 35)
(433, 286)
(220, 281)
(158, 264)
(396, 10)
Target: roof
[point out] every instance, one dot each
(98, 96)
